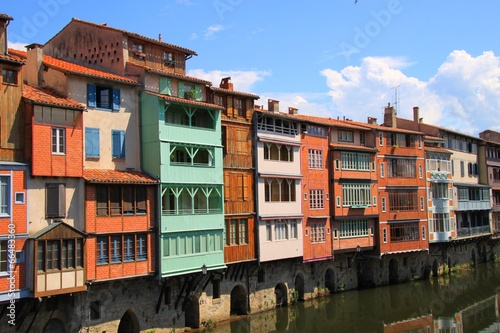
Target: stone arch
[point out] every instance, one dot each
(55, 325)
(435, 268)
(330, 280)
(238, 301)
(129, 323)
(300, 286)
(192, 312)
(281, 293)
(393, 271)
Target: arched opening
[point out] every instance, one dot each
(435, 268)
(192, 312)
(129, 323)
(393, 271)
(330, 280)
(238, 301)
(55, 325)
(281, 294)
(300, 287)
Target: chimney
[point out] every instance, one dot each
(273, 105)
(372, 121)
(4, 23)
(225, 83)
(293, 111)
(390, 116)
(416, 115)
(34, 65)
(159, 37)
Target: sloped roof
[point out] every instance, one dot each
(134, 35)
(70, 230)
(117, 177)
(49, 97)
(338, 146)
(170, 74)
(235, 92)
(12, 58)
(75, 69)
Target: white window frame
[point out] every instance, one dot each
(58, 140)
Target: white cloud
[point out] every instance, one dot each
(462, 95)
(242, 80)
(212, 30)
(17, 46)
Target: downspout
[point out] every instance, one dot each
(6, 39)
(256, 189)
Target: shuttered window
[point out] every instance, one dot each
(55, 200)
(92, 142)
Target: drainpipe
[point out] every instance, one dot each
(256, 190)
(6, 39)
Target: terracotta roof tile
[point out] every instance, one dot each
(12, 58)
(46, 96)
(438, 149)
(187, 101)
(117, 177)
(72, 68)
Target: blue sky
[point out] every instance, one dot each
(328, 58)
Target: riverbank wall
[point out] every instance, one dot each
(147, 304)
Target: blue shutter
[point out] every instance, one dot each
(118, 142)
(91, 95)
(116, 99)
(165, 86)
(92, 142)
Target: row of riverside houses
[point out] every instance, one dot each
(137, 197)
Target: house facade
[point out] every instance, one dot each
(277, 143)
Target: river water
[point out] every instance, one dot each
(463, 302)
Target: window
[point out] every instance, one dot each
(404, 232)
(355, 161)
(353, 228)
(4, 195)
(103, 97)
(279, 189)
(362, 138)
(121, 248)
(317, 232)
(277, 125)
(219, 100)
(420, 171)
(403, 200)
(3, 256)
(268, 231)
(440, 222)
(92, 142)
(191, 155)
(462, 168)
(60, 254)
(401, 168)
(382, 170)
(120, 200)
(58, 140)
(9, 76)
(381, 139)
(191, 199)
(401, 140)
(238, 105)
(384, 235)
(345, 136)
(137, 47)
(383, 205)
(118, 142)
(280, 230)
(278, 152)
(315, 159)
(423, 233)
(236, 232)
(316, 130)
(316, 200)
(55, 200)
(356, 194)
(422, 203)
(168, 59)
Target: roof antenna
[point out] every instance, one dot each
(396, 97)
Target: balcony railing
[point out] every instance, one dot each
(474, 205)
(189, 211)
(439, 166)
(475, 231)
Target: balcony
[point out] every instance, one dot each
(465, 205)
(474, 231)
(495, 207)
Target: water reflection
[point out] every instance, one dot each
(463, 303)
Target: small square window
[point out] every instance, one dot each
(9, 76)
(19, 197)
